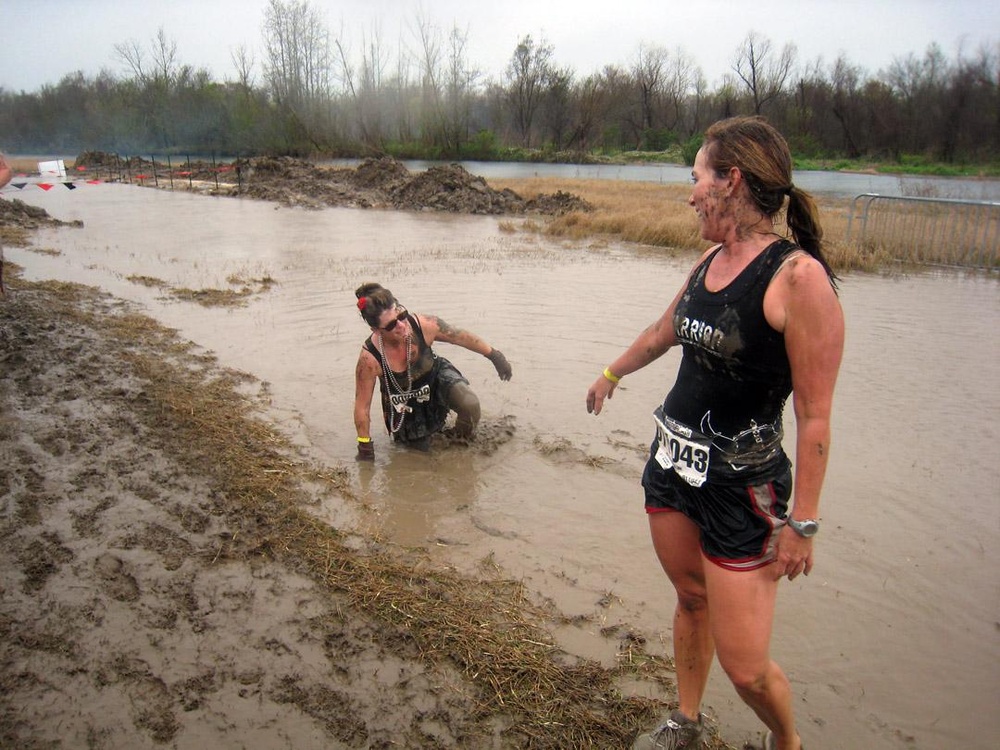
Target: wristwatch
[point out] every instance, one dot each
(806, 528)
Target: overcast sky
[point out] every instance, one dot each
(43, 40)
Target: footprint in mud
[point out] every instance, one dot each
(118, 583)
(42, 559)
(173, 548)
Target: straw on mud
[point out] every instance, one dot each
(488, 628)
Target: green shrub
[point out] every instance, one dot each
(690, 149)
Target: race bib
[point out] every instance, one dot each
(681, 449)
(400, 401)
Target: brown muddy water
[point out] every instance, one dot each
(893, 641)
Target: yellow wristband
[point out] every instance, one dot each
(364, 440)
(610, 375)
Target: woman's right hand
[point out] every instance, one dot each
(600, 390)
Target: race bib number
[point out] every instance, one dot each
(681, 450)
(400, 401)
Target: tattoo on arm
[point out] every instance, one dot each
(448, 329)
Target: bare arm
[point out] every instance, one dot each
(435, 329)
(365, 375)
(649, 346)
(805, 308)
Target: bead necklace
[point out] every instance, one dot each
(401, 409)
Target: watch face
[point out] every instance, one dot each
(804, 528)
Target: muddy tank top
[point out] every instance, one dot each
(413, 410)
(722, 420)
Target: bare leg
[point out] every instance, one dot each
(742, 606)
(466, 405)
(675, 539)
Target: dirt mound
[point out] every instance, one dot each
(17, 213)
(376, 183)
(453, 188)
(97, 159)
(383, 172)
(558, 203)
(381, 182)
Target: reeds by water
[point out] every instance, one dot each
(660, 216)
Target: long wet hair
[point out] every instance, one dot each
(760, 152)
(373, 300)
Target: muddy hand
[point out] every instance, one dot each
(366, 451)
(600, 390)
(500, 362)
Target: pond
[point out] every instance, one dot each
(891, 643)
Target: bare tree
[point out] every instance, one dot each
(527, 76)
(649, 72)
(243, 62)
(432, 114)
(156, 84)
(680, 77)
(164, 58)
(557, 106)
(919, 82)
(846, 95)
(762, 72)
(132, 55)
(461, 79)
(296, 43)
(591, 102)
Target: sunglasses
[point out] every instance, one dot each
(403, 315)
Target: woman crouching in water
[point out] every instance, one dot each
(418, 387)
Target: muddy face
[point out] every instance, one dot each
(711, 199)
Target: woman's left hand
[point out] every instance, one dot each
(500, 363)
(794, 554)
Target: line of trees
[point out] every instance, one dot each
(315, 92)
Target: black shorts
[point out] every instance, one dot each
(739, 524)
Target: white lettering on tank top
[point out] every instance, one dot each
(699, 333)
(399, 401)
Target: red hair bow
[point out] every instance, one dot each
(362, 302)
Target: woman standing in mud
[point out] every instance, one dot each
(418, 387)
(758, 319)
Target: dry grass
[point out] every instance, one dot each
(210, 297)
(488, 628)
(642, 212)
(659, 215)
(14, 236)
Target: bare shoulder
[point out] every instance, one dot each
(801, 274)
(367, 360)
(435, 328)
(800, 287)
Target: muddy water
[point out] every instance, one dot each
(891, 643)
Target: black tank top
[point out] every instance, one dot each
(734, 375)
(415, 410)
